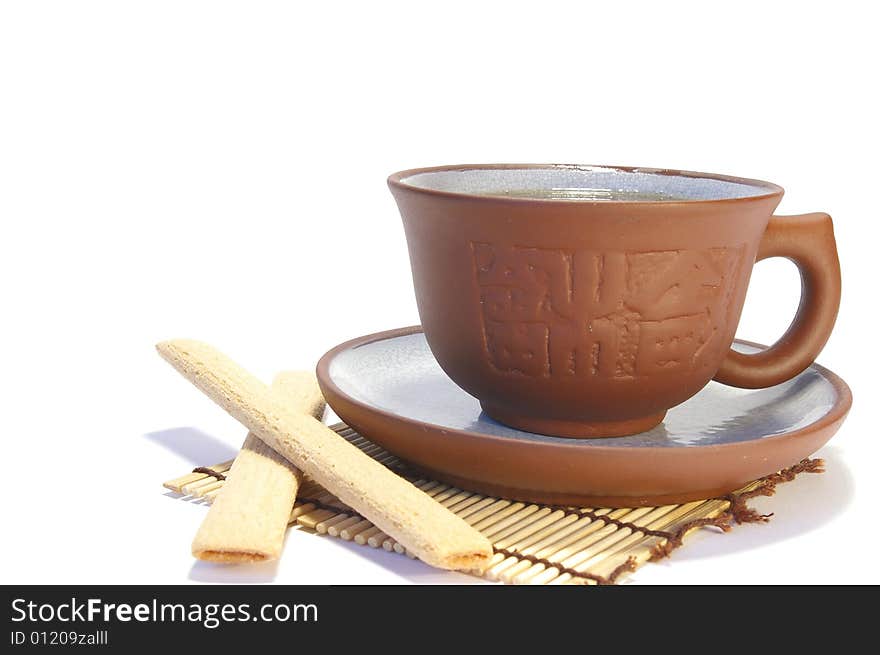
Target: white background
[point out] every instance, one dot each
(217, 170)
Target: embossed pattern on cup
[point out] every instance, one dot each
(617, 315)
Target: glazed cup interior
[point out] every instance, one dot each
(584, 183)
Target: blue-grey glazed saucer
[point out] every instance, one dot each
(390, 388)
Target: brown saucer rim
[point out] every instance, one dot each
(835, 414)
(566, 472)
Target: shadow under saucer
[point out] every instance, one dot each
(805, 504)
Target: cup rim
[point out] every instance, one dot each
(398, 181)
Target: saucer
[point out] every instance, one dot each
(389, 387)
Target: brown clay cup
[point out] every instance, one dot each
(585, 301)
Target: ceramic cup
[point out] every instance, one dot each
(585, 301)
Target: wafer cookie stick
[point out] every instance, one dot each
(248, 519)
(430, 531)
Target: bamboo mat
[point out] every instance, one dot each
(534, 544)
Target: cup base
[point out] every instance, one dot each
(573, 429)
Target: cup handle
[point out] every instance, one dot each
(808, 241)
